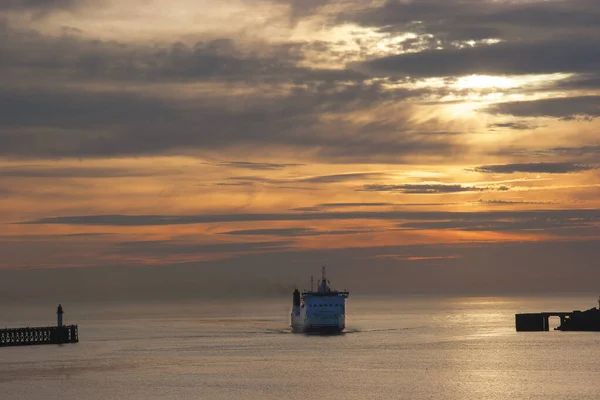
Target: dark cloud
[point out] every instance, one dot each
(325, 206)
(428, 188)
(434, 133)
(49, 118)
(37, 5)
(518, 125)
(39, 171)
(157, 220)
(542, 168)
(70, 109)
(589, 153)
(450, 35)
(344, 177)
(30, 54)
(341, 205)
(462, 20)
(509, 58)
(329, 206)
(71, 123)
(292, 232)
(576, 151)
(51, 237)
(510, 202)
(578, 82)
(255, 165)
(563, 108)
(336, 178)
(231, 184)
(522, 224)
(175, 248)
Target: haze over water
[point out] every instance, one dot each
(419, 347)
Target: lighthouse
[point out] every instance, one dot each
(59, 314)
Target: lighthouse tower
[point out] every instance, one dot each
(59, 314)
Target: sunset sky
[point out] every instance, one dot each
(412, 146)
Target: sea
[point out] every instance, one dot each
(411, 347)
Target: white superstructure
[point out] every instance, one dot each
(322, 310)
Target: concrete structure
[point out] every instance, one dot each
(538, 322)
(40, 335)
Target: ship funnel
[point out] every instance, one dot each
(296, 298)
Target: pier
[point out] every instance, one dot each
(539, 322)
(576, 320)
(40, 335)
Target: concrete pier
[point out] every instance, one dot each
(39, 335)
(538, 322)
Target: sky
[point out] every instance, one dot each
(412, 146)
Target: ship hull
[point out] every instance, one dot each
(330, 325)
(321, 330)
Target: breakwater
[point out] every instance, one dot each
(538, 322)
(39, 335)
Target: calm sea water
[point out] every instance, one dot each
(394, 348)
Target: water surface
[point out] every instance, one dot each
(403, 347)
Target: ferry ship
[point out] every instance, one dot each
(319, 311)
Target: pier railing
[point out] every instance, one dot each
(39, 335)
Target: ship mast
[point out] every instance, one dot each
(323, 286)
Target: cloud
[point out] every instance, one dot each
(329, 206)
(457, 38)
(498, 59)
(65, 122)
(75, 103)
(232, 184)
(524, 224)
(563, 108)
(542, 168)
(319, 179)
(428, 188)
(519, 125)
(158, 220)
(40, 171)
(36, 5)
(326, 206)
(292, 232)
(121, 124)
(255, 165)
(578, 82)
(32, 54)
(51, 237)
(589, 153)
(510, 202)
(176, 248)
(576, 151)
(459, 20)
